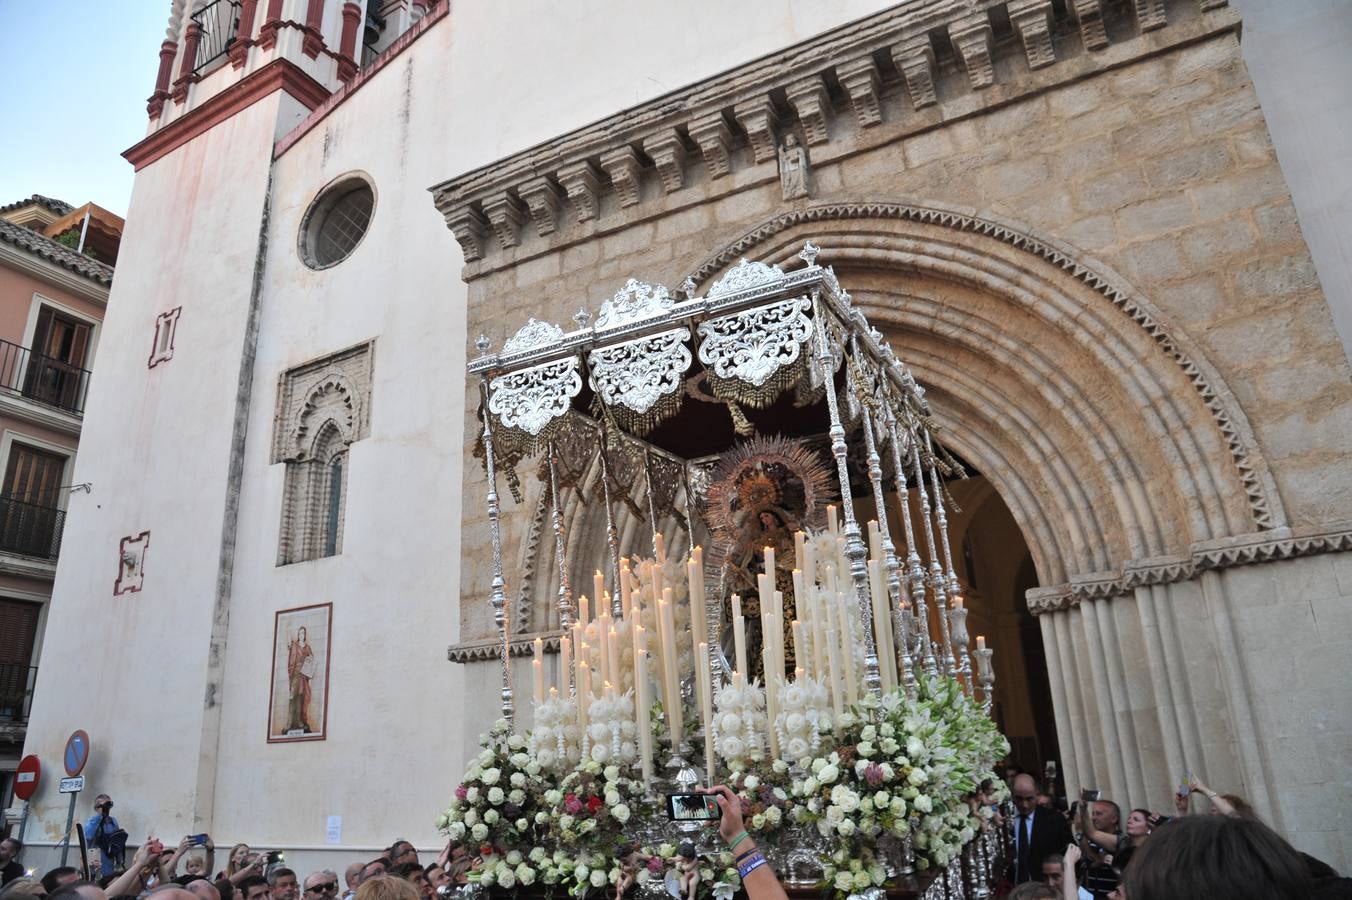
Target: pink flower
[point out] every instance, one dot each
(461, 792)
(873, 774)
(571, 804)
(655, 865)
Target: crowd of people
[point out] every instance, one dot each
(1085, 850)
(1078, 851)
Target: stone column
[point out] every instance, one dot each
(267, 35)
(347, 51)
(239, 49)
(187, 62)
(312, 44)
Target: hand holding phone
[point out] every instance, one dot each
(692, 808)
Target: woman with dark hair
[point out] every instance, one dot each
(1216, 856)
(1124, 845)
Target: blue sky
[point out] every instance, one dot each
(77, 74)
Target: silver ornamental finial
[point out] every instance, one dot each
(689, 287)
(482, 343)
(809, 253)
(582, 317)
(846, 298)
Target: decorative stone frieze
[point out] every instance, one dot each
(758, 119)
(622, 165)
(542, 199)
(1208, 5)
(667, 151)
(972, 38)
(1033, 20)
(860, 79)
(581, 181)
(812, 103)
(914, 59)
(788, 93)
(488, 650)
(714, 137)
(1089, 15)
(1150, 14)
(504, 211)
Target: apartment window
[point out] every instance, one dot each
(166, 326)
(18, 634)
(56, 374)
(30, 520)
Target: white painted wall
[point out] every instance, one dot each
(1297, 54)
(490, 79)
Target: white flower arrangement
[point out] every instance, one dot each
(554, 743)
(805, 717)
(611, 733)
(739, 724)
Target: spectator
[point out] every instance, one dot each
(283, 884)
(10, 867)
(200, 886)
(1122, 846)
(225, 887)
(401, 852)
(59, 878)
(80, 890)
(374, 868)
(22, 888)
(1054, 870)
(104, 834)
(1037, 832)
(385, 887)
(1217, 856)
(1234, 806)
(1034, 890)
(321, 885)
(255, 887)
(198, 859)
(413, 873)
(235, 862)
(437, 877)
(141, 873)
(351, 878)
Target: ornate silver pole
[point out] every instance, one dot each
(915, 573)
(875, 477)
(497, 592)
(985, 674)
(652, 501)
(936, 574)
(854, 544)
(963, 665)
(565, 602)
(612, 536)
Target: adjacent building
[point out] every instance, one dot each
(55, 274)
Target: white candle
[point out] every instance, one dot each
(659, 547)
(583, 693)
(603, 648)
(704, 689)
(694, 574)
(770, 563)
(833, 673)
(613, 655)
(582, 611)
(599, 590)
(847, 650)
(565, 660)
(799, 643)
(739, 633)
(981, 642)
(820, 623)
(671, 683)
(799, 540)
(882, 633)
(832, 525)
(538, 671)
(645, 734)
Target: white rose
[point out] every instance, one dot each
(612, 773)
(456, 831)
(582, 871)
(621, 813)
(865, 748)
(846, 828)
(612, 797)
(518, 779)
(845, 798)
(924, 804)
(471, 816)
(914, 747)
(828, 774)
(525, 874)
(472, 795)
(522, 824)
(517, 796)
(598, 878)
(918, 777)
(773, 815)
(479, 831)
(834, 815)
(491, 776)
(888, 746)
(752, 782)
(491, 816)
(861, 881)
(844, 881)
(506, 877)
(868, 733)
(553, 797)
(780, 766)
(758, 821)
(565, 821)
(513, 857)
(496, 796)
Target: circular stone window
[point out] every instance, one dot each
(336, 222)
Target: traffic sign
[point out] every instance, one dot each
(77, 753)
(26, 777)
(72, 785)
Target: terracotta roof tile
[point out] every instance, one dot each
(60, 207)
(58, 254)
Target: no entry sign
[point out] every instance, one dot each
(77, 753)
(26, 777)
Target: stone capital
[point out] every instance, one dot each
(915, 60)
(622, 165)
(859, 77)
(542, 199)
(714, 138)
(581, 182)
(667, 151)
(504, 211)
(813, 105)
(1032, 19)
(757, 117)
(971, 36)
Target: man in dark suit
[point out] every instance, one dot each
(1038, 833)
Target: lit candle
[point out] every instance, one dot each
(582, 611)
(799, 540)
(875, 539)
(694, 574)
(659, 547)
(981, 642)
(799, 644)
(832, 525)
(599, 591)
(770, 563)
(626, 590)
(538, 671)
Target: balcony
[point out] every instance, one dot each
(16, 693)
(27, 529)
(43, 379)
(218, 22)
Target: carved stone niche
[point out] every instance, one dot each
(334, 389)
(131, 560)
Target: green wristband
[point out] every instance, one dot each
(732, 844)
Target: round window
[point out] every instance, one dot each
(336, 222)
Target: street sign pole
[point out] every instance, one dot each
(23, 821)
(70, 820)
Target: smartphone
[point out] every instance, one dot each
(275, 857)
(198, 839)
(1090, 795)
(1185, 787)
(693, 808)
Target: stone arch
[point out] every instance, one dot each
(1108, 433)
(330, 400)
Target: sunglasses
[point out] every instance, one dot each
(326, 887)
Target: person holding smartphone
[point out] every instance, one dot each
(104, 834)
(758, 879)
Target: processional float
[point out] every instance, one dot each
(859, 636)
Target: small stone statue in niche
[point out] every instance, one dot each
(794, 171)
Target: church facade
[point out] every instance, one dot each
(1069, 219)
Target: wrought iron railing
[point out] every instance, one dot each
(31, 530)
(218, 20)
(16, 691)
(47, 380)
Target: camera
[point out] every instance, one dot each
(106, 806)
(1091, 795)
(275, 857)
